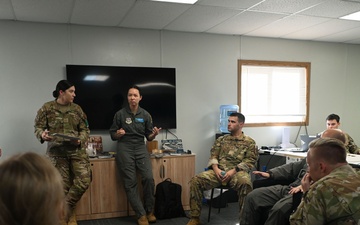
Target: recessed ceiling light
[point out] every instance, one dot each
(177, 1)
(352, 16)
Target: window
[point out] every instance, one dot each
(274, 93)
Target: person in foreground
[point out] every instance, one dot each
(331, 187)
(234, 153)
(273, 205)
(31, 191)
(68, 154)
(130, 125)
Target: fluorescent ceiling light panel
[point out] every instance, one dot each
(177, 1)
(352, 16)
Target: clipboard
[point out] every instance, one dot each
(65, 136)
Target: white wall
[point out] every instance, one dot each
(33, 58)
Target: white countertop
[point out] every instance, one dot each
(352, 159)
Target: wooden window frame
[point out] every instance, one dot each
(305, 65)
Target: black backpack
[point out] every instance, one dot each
(168, 200)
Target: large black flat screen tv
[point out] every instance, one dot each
(102, 90)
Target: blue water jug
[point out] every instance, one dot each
(225, 111)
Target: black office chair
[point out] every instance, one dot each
(221, 187)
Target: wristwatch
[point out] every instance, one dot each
(237, 169)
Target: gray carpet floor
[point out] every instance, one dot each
(227, 216)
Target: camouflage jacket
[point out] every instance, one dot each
(351, 146)
(229, 151)
(69, 120)
(330, 199)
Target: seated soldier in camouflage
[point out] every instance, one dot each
(333, 122)
(274, 204)
(331, 187)
(235, 154)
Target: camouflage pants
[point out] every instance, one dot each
(240, 182)
(76, 173)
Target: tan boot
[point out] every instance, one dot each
(63, 222)
(143, 221)
(72, 219)
(151, 217)
(194, 221)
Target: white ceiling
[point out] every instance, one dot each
(290, 19)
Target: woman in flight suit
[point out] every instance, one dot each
(130, 126)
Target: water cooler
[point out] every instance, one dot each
(225, 111)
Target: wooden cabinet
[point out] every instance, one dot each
(180, 169)
(106, 196)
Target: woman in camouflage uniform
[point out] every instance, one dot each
(68, 155)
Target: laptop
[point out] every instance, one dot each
(305, 140)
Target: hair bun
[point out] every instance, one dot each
(55, 94)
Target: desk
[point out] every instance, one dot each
(352, 159)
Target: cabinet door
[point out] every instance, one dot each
(182, 170)
(83, 207)
(107, 190)
(161, 169)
